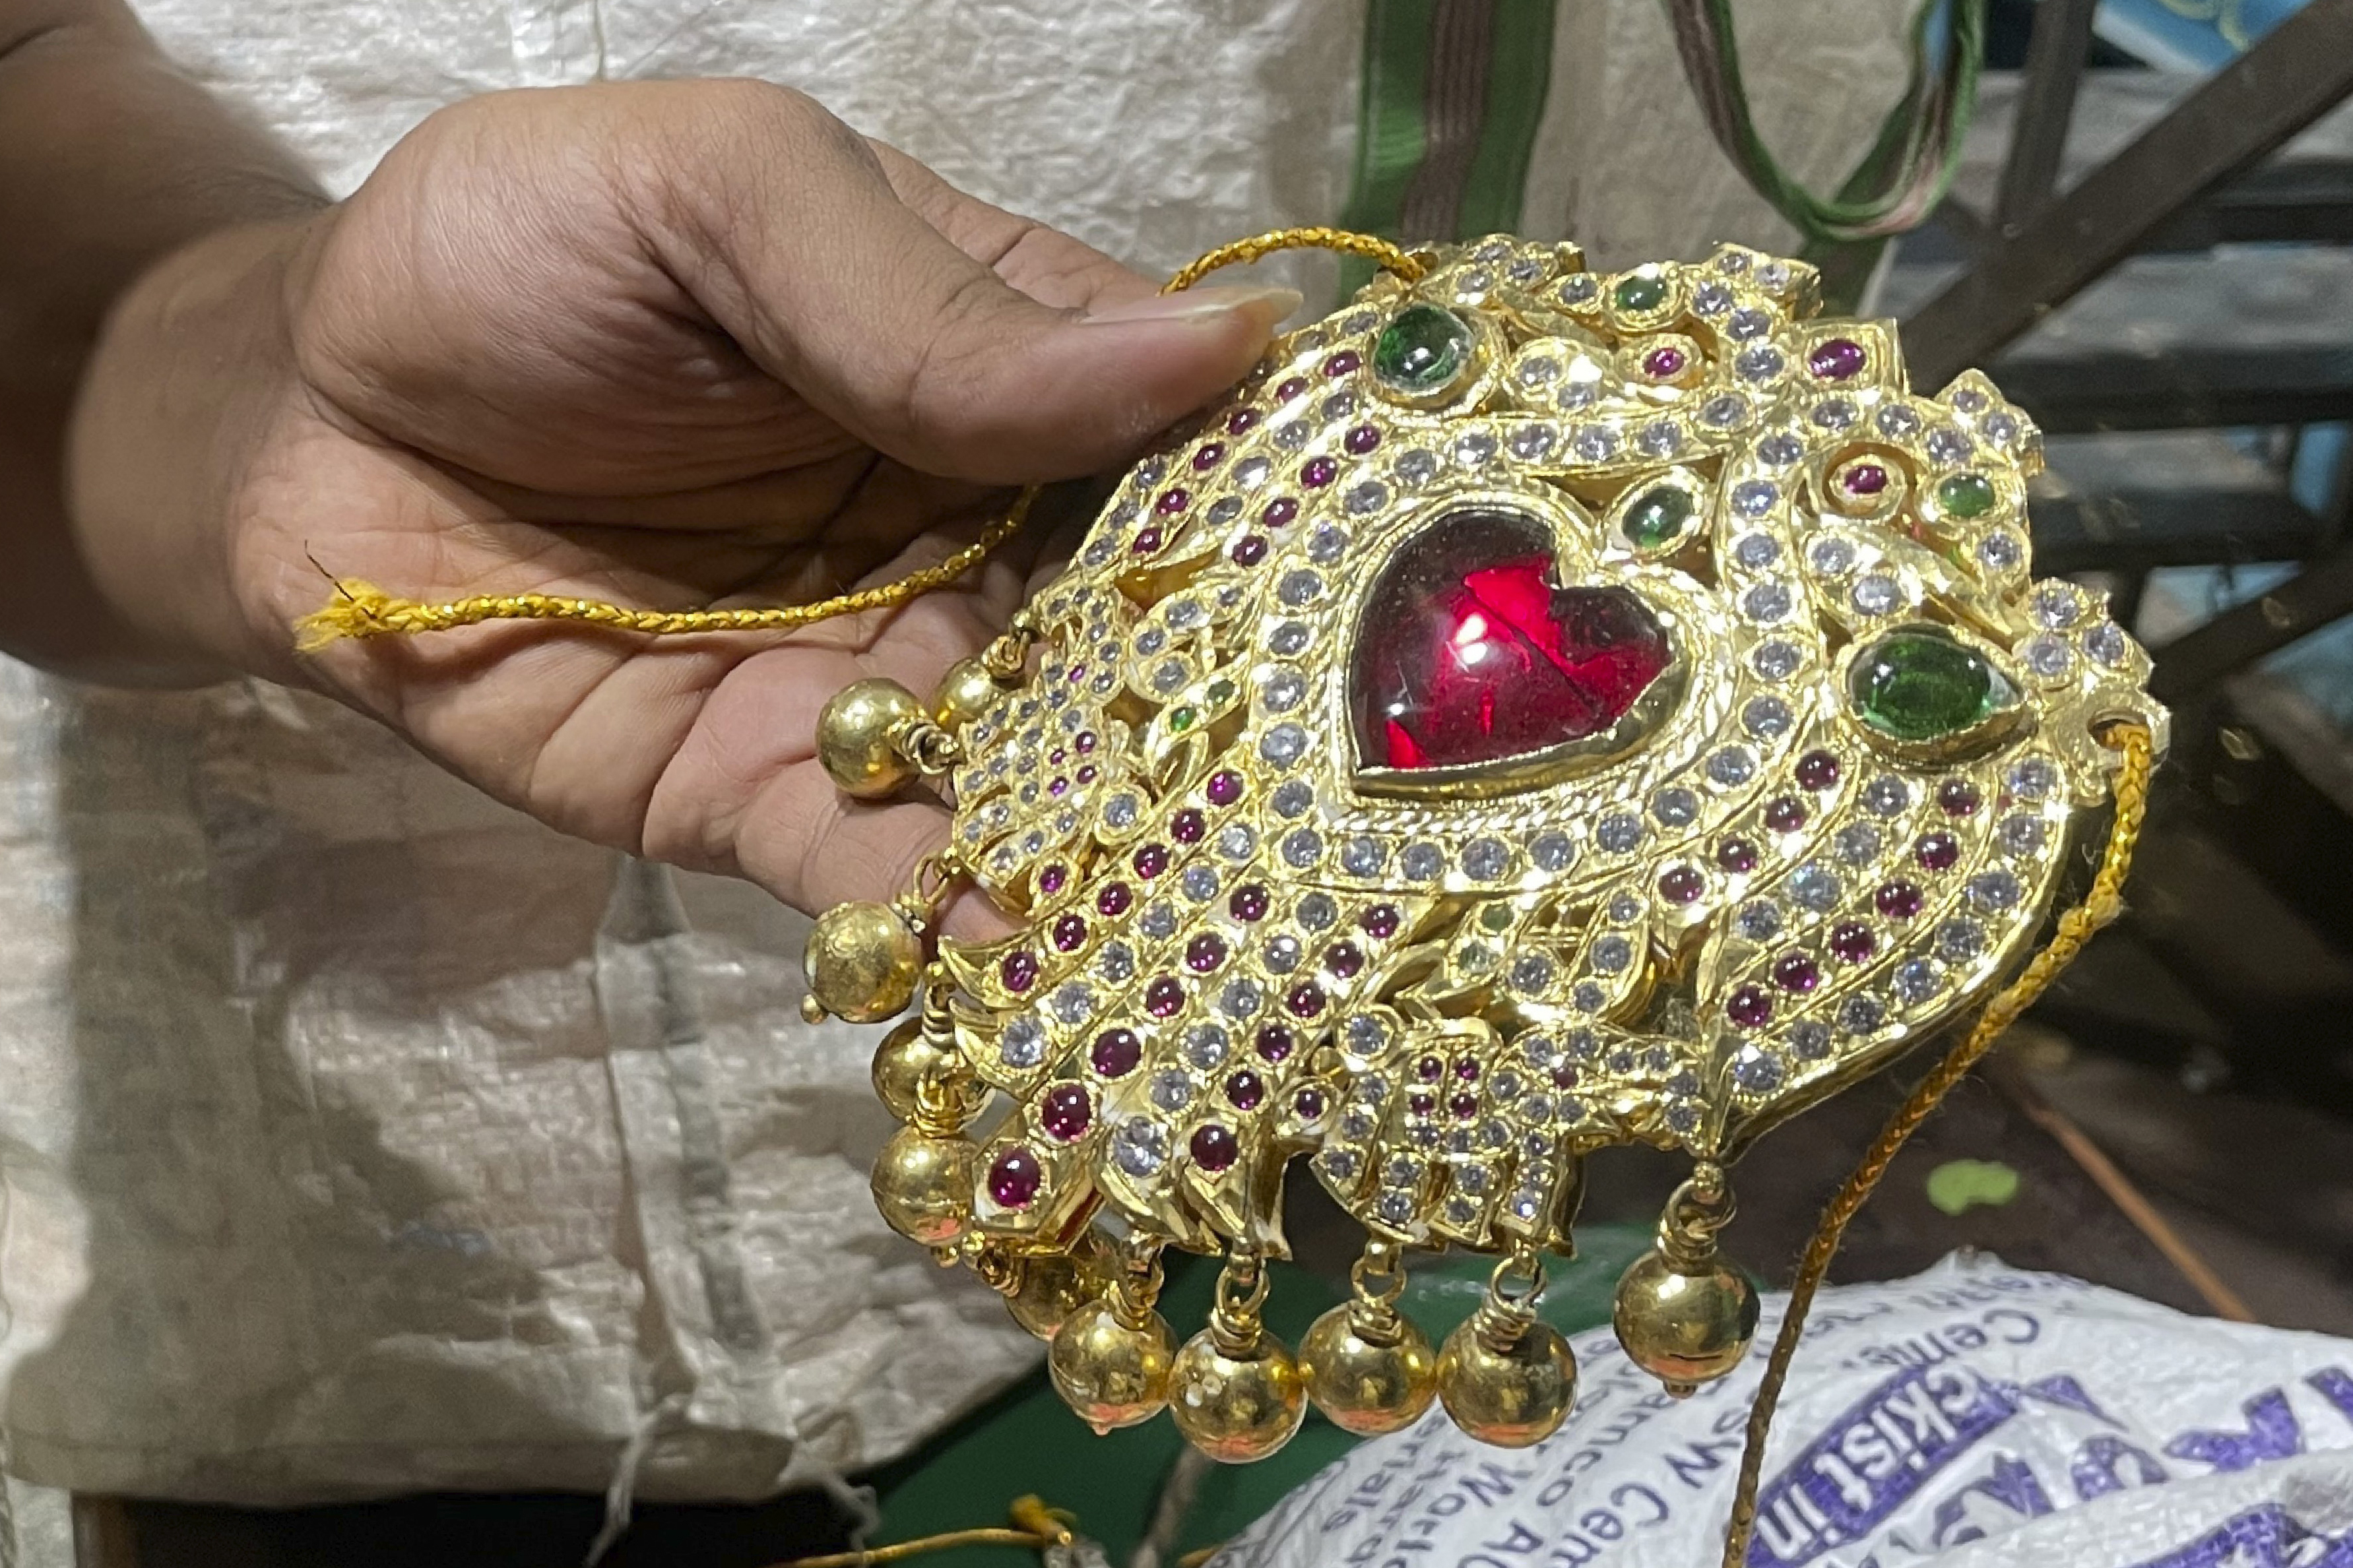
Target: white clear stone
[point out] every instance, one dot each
(2049, 657)
(1767, 602)
(1877, 595)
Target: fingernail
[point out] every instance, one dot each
(1268, 305)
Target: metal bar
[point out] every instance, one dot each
(2245, 111)
(2134, 531)
(2193, 663)
(2046, 103)
(2308, 202)
(2194, 388)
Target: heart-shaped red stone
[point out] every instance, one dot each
(1469, 652)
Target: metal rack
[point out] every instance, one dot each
(2193, 179)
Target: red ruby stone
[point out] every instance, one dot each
(1864, 480)
(1116, 1052)
(1065, 1112)
(1214, 1147)
(1898, 900)
(1241, 420)
(1958, 797)
(1225, 788)
(1852, 942)
(1015, 1177)
(1245, 1089)
(1274, 1042)
(1796, 972)
(1835, 359)
(1249, 902)
(1069, 934)
(1479, 657)
(1380, 921)
(1020, 971)
(1749, 1007)
(1664, 362)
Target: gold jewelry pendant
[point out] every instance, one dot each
(1537, 712)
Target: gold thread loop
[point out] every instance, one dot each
(1389, 258)
(2101, 905)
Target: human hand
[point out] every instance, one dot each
(664, 344)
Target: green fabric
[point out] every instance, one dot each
(1913, 157)
(1392, 126)
(1026, 1441)
(1390, 133)
(1519, 74)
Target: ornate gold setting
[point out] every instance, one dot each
(1444, 987)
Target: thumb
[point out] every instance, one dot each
(798, 244)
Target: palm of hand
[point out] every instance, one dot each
(511, 385)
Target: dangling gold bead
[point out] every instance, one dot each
(1367, 1386)
(904, 1059)
(1111, 1371)
(923, 1184)
(965, 692)
(1236, 1404)
(857, 736)
(1510, 1392)
(862, 961)
(1685, 1323)
(1051, 1286)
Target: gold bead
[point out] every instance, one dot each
(907, 1057)
(1236, 1408)
(1685, 1325)
(1510, 1397)
(1111, 1373)
(1367, 1386)
(965, 692)
(1053, 1285)
(923, 1184)
(862, 961)
(855, 738)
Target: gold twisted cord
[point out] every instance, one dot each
(2077, 927)
(1371, 246)
(364, 610)
(1035, 1525)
